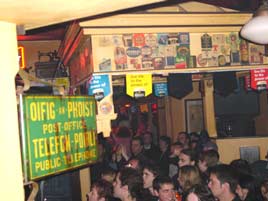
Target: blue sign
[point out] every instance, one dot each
(99, 86)
(160, 89)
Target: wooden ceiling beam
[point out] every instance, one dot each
(125, 30)
(167, 19)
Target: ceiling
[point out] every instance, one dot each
(47, 19)
(34, 14)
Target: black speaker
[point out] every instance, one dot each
(235, 126)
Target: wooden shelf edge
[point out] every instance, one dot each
(187, 70)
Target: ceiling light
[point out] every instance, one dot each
(256, 30)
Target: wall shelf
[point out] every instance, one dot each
(188, 70)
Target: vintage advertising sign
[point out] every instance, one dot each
(99, 86)
(58, 134)
(259, 79)
(139, 85)
(160, 89)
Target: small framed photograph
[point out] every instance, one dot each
(250, 153)
(194, 115)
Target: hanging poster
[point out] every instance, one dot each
(259, 79)
(99, 86)
(139, 85)
(160, 89)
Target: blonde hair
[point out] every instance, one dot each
(190, 176)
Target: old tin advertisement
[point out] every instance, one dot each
(58, 134)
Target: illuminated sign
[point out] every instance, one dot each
(58, 134)
(21, 57)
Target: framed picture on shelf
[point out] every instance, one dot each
(194, 115)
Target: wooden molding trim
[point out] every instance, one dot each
(126, 30)
(167, 19)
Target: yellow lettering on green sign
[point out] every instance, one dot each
(47, 164)
(40, 111)
(51, 128)
(50, 146)
(85, 139)
(80, 109)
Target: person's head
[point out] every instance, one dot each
(123, 132)
(208, 159)
(204, 136)
(194, 136)
(209, 145)
(194, 144)
(188, 177)
(187, 157)
(194, 139)
(183, 138)
(135, 163)
(176, 148)
(241, 165)
(101, 190)
(264, 189)
(108, 174)
(246, 188)
(150, 172)
(223, 181)
(200, 192)
(136, 145)
(164, 143)
(128, 184)
(147, 138)
(164, 188)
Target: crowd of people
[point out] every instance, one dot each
(133, 168)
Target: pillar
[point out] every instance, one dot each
(10, 167)
(208, 104)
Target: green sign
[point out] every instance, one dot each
(58, 134)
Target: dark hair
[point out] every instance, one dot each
(153, 168)
(211, 157)
(202, 192)
(165, 139)
(138, 138)
(226, 174)
(104, 188)
(191, 153)
(108, 171)
(123, 132)
(133, 179)
(204, 136)
(160, 180)
(247, 181)
(241, 165)
(194, 135)
(264, 184)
